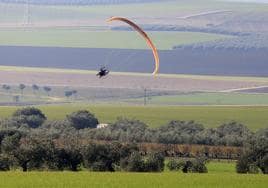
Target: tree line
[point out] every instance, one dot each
(238, 40)
(37, 152)
(242, 43)
(215, 30)
(29, 141)
(193, 151)
(175, 132)
(129, 130)
(36, 89)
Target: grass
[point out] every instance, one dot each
(215, 167)
(129, 180)
(221, 167)
(15, 12)
(254, 117)
(94, 17)
(208, 99)
(100, 39)
(220, 174)
(134, 97)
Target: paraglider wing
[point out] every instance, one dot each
(145, 36)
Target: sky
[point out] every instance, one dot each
(255, 1)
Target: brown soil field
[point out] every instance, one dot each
(126, 81)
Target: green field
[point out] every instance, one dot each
(255, 117)
(204, 98)
(133, 97)
(220, 174)
(208, 99)
(129, 180)
(85, 26)
(100, 39)
(14, 12)
(221, 167)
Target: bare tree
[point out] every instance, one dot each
(22, 87)
(71, 93)
(35, 88)
(6, 88)
(74, 93)
(16, 98)
(47, 89)
(68, 94)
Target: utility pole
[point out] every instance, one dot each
(145, 97)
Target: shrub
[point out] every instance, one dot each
(82, 119)
(67, 159)
(100, 157)
(133, 163)
(175, 165)
(4, 163)
(254, 156)
(242, 164)
(264, 164)
(187, 166)
(197, 165)
(29, 116)
(155, 162)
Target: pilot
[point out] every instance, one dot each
(103, 72)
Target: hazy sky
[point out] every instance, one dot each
(256, 1)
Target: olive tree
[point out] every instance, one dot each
(30, 116)
(82, 119)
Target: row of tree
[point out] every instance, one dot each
(193, 151)
(21, 87)
(215, 30)
(186, 165)
(175, 132)
(83, 125)
(29, 141)
(243, 43)
(240, 41)
(124, 130)
(254, 157)
(36, 89)
(36, 152)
